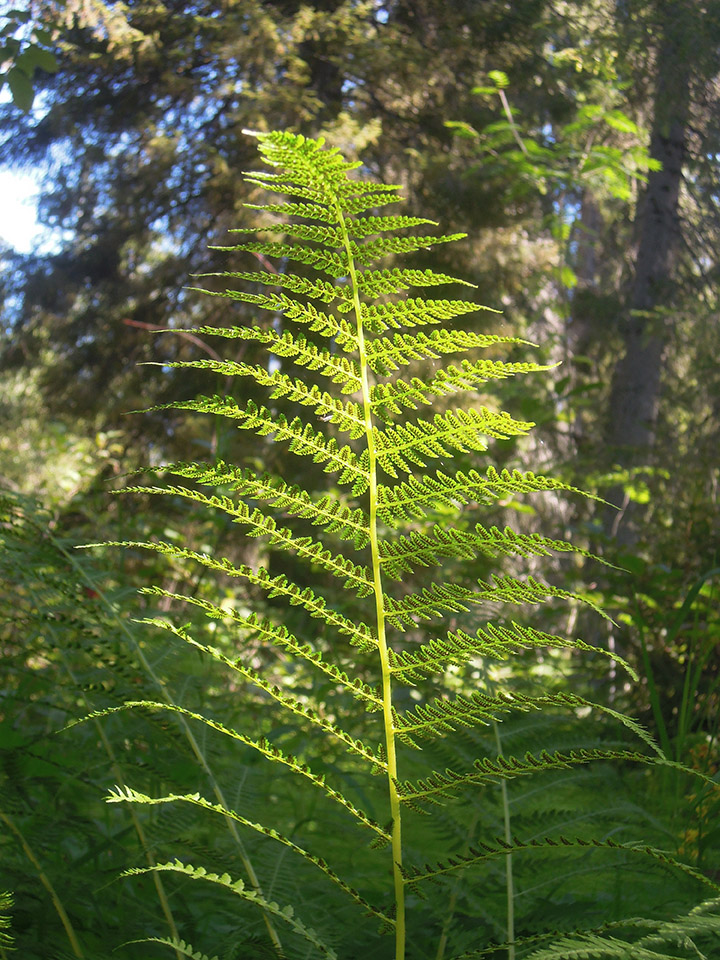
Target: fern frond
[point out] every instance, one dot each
(401, 348)
(179, 946)
(303, 439)
(482, 852)
(329, 236)
(404, 446)
(442, 598)
(262, 746)
(359, 633)
(433, 601)
(391, 397)
(437, 786)
(334, 264)
(346, 416)
(358, 228)
(335, 516)
(367, 226)
(322, 290)
(354, 577)
(405, 554)
(335, 231)
(412, 498)
(6, 905)
(591, 946)
(367, 253)
(127, 794)
(387, 354)
(279, 636)
(375, 283)
(240, 889)
(362, 253)
(416, 312)
(311, 211)
(309, 713)
(338, 369)
(493, 640)
(437, 718)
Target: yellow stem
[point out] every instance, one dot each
(395, 812)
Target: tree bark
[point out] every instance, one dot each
(636, 385)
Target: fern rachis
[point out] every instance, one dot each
(357, 413)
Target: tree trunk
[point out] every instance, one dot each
(635, 390)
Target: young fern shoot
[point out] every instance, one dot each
(353, 332)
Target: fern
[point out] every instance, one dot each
(356, 408)
(6, 902)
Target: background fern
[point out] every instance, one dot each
(405, 656)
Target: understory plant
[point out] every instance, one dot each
(374, 635)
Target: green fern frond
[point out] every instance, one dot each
(387, 354)
(437, 787)
(278, 635)
(311, 211)
(352, 575)
(304, 440)
(416, 312)
(594, 947)
(677, 933)
(329, 236)
(404, 446)
(338, 369)
(443, 716)
(179, 946)
(346, 416)
(322, 290)
(430, 602)
(239, 888)
(358, 632)
(375, 283)
(483, 852)
(412, 498)
(317, 321)
(128, 795)
(359, 228)
(311, 714)
(347, 326)
(365, 253)
(404, 554)
(438, 599)
(336, 517)
(262, 746)
(334, 264)
(493, 640)
(6, 905)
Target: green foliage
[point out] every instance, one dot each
(25, 49)
(6, 902)
(324, 703)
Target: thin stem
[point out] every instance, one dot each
(45, 881)
(509, 887)
(395, 812)
(442, 944)
(120, 780)
(194, 745)
(508, 113)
